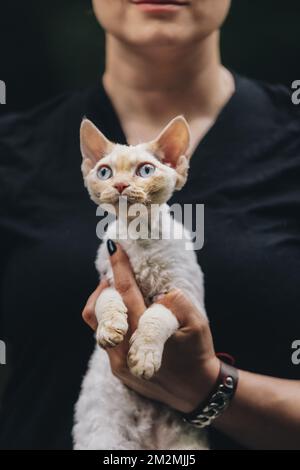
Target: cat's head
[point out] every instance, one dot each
(146, 173)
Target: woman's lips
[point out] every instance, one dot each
(159, 5)
(162, 2)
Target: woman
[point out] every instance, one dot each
(161, 61)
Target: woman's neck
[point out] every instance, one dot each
(150, 86)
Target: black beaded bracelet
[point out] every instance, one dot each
(218, 401)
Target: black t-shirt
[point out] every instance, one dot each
(247, 173)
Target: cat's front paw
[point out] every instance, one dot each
(111, 332)
(144, 356)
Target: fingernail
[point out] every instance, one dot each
(158, 297)
(111, 246)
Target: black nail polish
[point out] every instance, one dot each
(111, 246)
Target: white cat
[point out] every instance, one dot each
(108, 415)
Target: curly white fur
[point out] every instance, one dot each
(108, 415)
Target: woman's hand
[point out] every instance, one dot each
(265, 412)
(189, 368)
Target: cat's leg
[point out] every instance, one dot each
(111, 314)
(155, 326)
(106, 412)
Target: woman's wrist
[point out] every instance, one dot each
(218, 400)
(203, 384)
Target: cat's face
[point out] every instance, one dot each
(146, 173)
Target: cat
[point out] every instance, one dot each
(109, 416)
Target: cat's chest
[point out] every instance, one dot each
(153, 269)
(152, 266)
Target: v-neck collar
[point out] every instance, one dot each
(237, 129)
(101, 110)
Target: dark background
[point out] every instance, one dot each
(48, 47)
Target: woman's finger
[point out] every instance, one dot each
(184, 310)
(88, 313)
(125, 284)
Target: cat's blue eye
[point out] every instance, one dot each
(145, 170)
(104, 172)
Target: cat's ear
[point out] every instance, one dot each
(93, 144)
(171, 147)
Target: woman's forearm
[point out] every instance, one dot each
(264, 414)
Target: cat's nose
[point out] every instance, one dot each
(121, 186)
